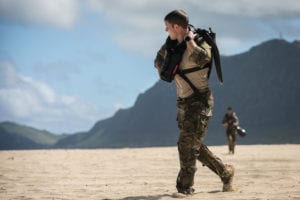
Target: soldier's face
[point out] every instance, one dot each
(229, 112)
(172, 30)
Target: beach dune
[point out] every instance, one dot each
(262, 172)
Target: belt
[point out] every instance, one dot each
(201, 93)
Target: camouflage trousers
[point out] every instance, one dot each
(194, 114)
(231, 138)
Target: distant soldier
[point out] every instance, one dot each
(231, 122)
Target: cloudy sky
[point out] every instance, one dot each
(64, 64)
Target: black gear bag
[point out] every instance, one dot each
(172, 59)
(175, 52)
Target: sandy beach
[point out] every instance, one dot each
(262, 172)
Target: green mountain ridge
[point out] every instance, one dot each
(15, 136)
(262, 85)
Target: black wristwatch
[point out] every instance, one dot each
(187, 38)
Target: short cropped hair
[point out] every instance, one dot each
(178, 17)
(229, 108)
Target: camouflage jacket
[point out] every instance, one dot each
(198, 57)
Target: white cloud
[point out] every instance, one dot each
(61, 13)
(141, 26)
(251, 8)
(32, 102)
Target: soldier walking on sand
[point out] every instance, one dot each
(194, 108)
(230, 121)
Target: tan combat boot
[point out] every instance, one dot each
(227, 180)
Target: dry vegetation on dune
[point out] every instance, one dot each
(262, 172)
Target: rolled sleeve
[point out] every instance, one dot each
(201, 55)
(160, 57)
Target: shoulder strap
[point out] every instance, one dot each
(184, 77)
(182, 73)
(190, 70)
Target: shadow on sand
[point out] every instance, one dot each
(215, 191)
(156, 197)
(148, 197)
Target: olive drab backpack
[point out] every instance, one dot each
(175, 52)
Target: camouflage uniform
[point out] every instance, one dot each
(232, 123)
(194, 114)
(193, 120)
